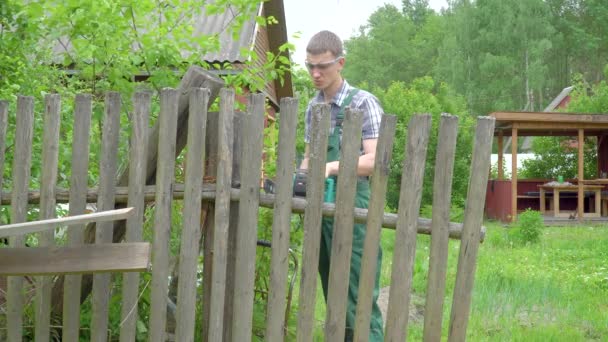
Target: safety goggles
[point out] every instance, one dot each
(322, 65)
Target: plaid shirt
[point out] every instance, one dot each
(363, 100)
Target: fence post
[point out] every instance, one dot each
(21, 178)
(243, 280)
(342, 240)
(77, 203)
(134, 233)
(369, 259)
(281, 223)
(405, 236)
(473, 218)
(319, 129)
(50, 155)
(442, 194)
(105, 201)
(162, 215)
(222, 214)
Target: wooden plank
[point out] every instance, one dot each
(103, 233)
(312, 220)
(281, 223)
(137, 183)
(384, 151)
(222, 214)
(246, 235)
(405, 236)
(18, 229)
(442, 195)
(106, 257)
(581, 174)
(298, 205)
(233, 226)
(211, 151)
(473, 217)
(21, 177)
(189, 247)
(342, 240)
(77, 201)
(514, 175)
(3, 124)
(162, 215)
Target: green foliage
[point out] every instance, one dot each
(376, 53)
(426, 96)
(528, 229)
(557, 156)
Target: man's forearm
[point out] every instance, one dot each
(365, 167)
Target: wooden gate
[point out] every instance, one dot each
(230, 145)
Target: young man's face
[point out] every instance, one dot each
(324, 69)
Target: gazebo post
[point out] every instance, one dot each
(514, 174)
(501, 175)
(581, 175)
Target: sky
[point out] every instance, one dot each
(340, 16)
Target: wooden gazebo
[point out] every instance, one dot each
(516, 124)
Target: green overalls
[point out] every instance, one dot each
(361, 201)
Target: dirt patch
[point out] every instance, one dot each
(416, 310)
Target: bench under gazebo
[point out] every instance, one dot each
(558, 199)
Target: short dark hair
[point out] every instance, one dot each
(325, 41)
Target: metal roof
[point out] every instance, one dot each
(230, 45)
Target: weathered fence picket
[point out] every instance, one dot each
(342, 240)
(246, 234)
(312, 220)
(281, 224)
(77, 206)
(222, 215)
(230, 145)
(405, 237)
(162, 215)
(384, 150)
(50, 155)
(134, 233)
(473, 217)
(442, 194)
(189, 246)
(21, 177)
(103, 234)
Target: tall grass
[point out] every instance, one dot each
(555, 290)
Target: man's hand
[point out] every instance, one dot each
(332, 168)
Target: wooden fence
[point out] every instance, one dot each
(228, 207)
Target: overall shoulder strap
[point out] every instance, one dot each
(349, 98)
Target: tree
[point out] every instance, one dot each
(421, 97)
(394, 45)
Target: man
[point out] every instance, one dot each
(325, 60)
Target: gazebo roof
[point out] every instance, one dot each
(550, 123)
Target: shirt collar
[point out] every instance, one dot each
(339, 97)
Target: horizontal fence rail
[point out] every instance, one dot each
(298, 205)
(211, 278)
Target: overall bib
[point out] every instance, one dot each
(361, 201)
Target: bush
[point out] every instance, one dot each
(528, 228)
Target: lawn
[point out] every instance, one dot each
(556, 290)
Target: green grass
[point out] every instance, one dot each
(556, 290)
